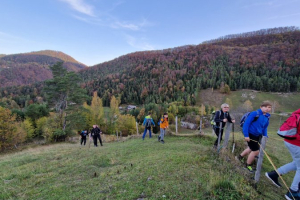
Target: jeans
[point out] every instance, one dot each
(292, 166)
(162, 133)
(145, 132)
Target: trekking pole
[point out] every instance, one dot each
(90, 135)
(219, 136)
(233, 145)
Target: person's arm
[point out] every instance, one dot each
(229, 118)
(152, 122)
(144, 123)
(247, 123)
(265, 132)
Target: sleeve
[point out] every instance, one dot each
(265, 132)
(144, 123)
(229, 118)
(247, 123)
(217, 117)
(152, 122)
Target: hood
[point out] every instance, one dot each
(297, 111)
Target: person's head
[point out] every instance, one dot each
(149, 113)
(225, 107)
(266, 106)
(165, 115)
(94, 126)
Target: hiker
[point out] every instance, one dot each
(254, 128)
(95, 132)
(163, 124)
(148, 122)
(221, 117)
(83, 135)
(293, 145)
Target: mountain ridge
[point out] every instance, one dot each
(28, 68)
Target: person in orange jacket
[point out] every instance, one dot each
(163, 124)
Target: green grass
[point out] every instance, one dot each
(288, 102)
(182, 168)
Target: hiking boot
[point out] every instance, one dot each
(250, 169)
(273, 176)
(292, 195)
(159, 138)
(162, 141)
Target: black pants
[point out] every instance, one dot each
(83, 140)
(95, 137)
(217, 132)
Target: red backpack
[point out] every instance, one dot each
(289, 128)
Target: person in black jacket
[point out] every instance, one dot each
(83, 134)
(96, 135)
(221, 117)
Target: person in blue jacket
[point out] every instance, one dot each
(254, 128)
(148, 122)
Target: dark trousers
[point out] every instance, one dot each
(145, 132)
(83, 140)
(95, 137)
(217, 132)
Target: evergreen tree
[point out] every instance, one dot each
(63, 92)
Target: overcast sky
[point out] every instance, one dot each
(95, 31)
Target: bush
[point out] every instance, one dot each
(11, 132)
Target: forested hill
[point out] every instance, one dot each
(28, 68)
(265, 60)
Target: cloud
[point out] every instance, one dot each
(129, 25)
(139, 43)
(81, 6)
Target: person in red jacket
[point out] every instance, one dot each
(293, 146)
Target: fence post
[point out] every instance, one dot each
(260, 158)
(121, 135)
(227, 134)
(176, 125)
(200, 128)
(137, 128)
(117, 136)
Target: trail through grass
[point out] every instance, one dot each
(182, 168)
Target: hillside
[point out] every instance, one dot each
(266, 60)
(182, 168)
(28, 68)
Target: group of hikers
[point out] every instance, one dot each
(163, 125)
(254, 126)
(93, 133)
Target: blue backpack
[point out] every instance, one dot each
(243, 119)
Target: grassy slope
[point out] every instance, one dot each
(288, 102)
(182, 168)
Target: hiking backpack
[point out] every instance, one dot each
(288, 129)
(148, 123)
(212, 118)
(159, 121)
(244, 117)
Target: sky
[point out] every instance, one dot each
(95, 31)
